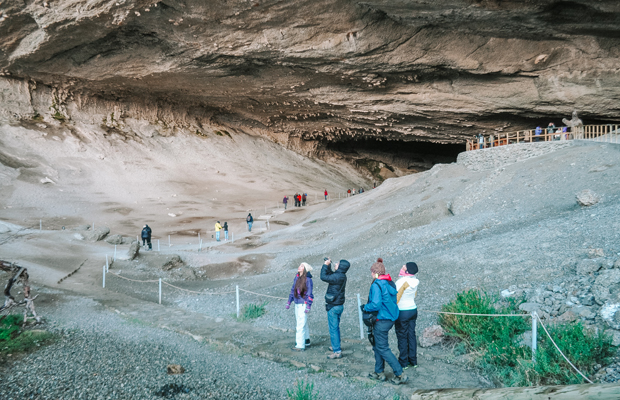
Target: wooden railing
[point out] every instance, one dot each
(603, 133)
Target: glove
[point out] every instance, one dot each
(307, 310)
(288, 306)
(362, 308)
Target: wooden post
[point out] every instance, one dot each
(517, 136)
(359, 312)
(237, 291)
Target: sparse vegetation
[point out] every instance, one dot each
(14, 340)
(496, 342)
(57, 115)
(302, 391)
(252, 311)
(222, 133)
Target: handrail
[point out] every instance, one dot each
(589, 132)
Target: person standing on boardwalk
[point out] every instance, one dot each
(250, 221)
(325, 194)
(225, 231)
(303, 199)
(218, 228)
(295, 199)
(301, 295)
(285, 201)
(334, 300)
(298, 200)
(382, 299)
(407, 286)
(146, 236)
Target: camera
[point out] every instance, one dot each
(326, 258)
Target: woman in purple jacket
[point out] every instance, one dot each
(301, 294)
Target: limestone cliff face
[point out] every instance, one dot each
(311, 73)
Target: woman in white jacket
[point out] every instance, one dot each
(407, 286)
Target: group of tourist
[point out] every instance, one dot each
(218, 228)
(299, 198)
(389, 304)
(551, 129)
(352, 192)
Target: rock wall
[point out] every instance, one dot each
(308, 72)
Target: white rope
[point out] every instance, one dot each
(478, 315)
(132, 280)
(556, 346)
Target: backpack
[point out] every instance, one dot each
(369, 318)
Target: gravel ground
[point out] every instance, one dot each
(100, 355)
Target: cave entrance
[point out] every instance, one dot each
(389, 158)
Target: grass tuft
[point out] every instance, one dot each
(302, 391)
(496, 343)
(14, 340)
(252, 311)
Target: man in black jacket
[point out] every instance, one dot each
(334, 300)
(146, 237)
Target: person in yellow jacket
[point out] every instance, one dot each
(218, 228)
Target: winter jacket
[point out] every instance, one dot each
(407, 300)
(308, 298)
(285, 200)
(382, 298)
(337, 283)
(249, 219)
(226, 226)
(146, 232)
(218, 227)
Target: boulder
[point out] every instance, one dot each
(529, 307)
(4, 228)
(615, 336)
(608, 278)
(587, 198)
(588, 266)
(97, 234)
(567, 317)
(601, 293)
(431, 336)
(173, 262)
(174, 369)
(587, 313)
(115, 239)
(78, 236)
(133, 251)
(608, 313)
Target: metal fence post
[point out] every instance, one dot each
(169, 241)
(159, 290)
(114, 253)
(40, 224)
(104, 276)
(534, 334)
(232, 236)
(107, 264)
(359, 311)
(237, 290)
(158, 249)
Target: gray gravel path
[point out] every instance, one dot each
(100, 355)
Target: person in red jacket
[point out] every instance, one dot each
(325, 194)
(298, 200)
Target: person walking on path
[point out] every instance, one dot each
(301, 295)
(382, 299)
(325, 194)
(349, 193)
(407, 286)
(225, 231)
(285, 201)
(218, 228)
(334, 301)
(146, 237)
(303, 199)
(250, 221)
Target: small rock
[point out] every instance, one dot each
(47, 180)
(587, 198)
(315, 368)
(608, 313)
(529, 307)
(78, 236)
(506, 293)
(596, 253)
(97, 234)
(587, 313)
(115, 239)
(567, 317)
(431, 336)
(174, 369)
(585, 267)
(615, 336)
(297, 364)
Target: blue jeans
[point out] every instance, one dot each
(333, 320)
(405, 332)
(382, 348)
(226, 235)
(249, 226)
(217, 236)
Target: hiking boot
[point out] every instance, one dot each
(307, 342)
(331, 348)
(297, 349)
(399, 380)
(377, 376)
(333, 356)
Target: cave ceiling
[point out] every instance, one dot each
(329, 70)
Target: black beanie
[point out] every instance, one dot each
(412, 268)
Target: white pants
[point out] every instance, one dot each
(303, 332)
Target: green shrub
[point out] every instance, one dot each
(302, 391)
(13, 340)
(252, 311)
(495, 340)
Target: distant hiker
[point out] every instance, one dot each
(382, 299)
(250, 221)
(349, 193)
(325, 194)
(295, 198)
(303, 199)
(285, 201)
(301, 295)
(334, 301)
(374, 185)
(537, 133)
(361, 190)
(551, 128)
(298, 200)
(146, 236)
(218, 228)
(481, 141)
(225, 231)
(407, 286)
